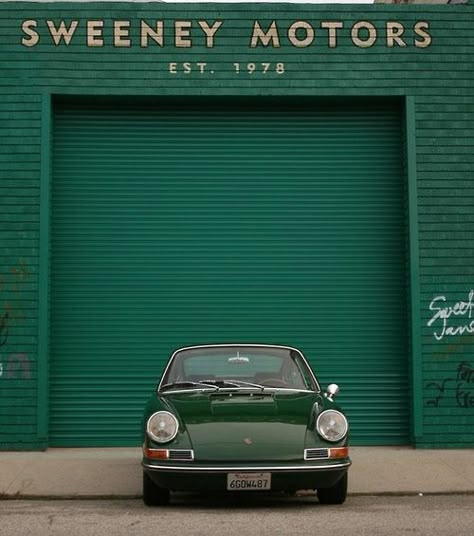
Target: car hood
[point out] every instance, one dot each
(243, 425)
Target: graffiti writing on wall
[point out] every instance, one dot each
(3, 329)
(16, 365)
(449, 320)
(460, 387)
(13, 365)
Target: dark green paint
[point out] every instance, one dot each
(217, 424)
(244, 428)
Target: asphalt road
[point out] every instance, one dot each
(241, 516)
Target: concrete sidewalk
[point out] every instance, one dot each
(116, 472)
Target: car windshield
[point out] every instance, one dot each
(239, 367)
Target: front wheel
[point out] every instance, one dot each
(153, 495)
(335, 494)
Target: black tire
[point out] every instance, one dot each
(153, 495)
(335, 494)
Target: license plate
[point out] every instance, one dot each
(249, 481)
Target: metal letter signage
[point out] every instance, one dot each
(188, 33)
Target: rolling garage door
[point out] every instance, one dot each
(177, 223)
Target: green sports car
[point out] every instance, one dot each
(243, 417)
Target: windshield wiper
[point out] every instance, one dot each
(186, 384)
(212, 384)
(240, 383)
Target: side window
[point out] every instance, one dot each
(305, 373)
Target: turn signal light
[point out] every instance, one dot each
(156, 454)
(339, 452)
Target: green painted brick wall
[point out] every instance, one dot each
(19, 216)
(439, 80)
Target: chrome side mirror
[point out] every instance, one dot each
(332, 391)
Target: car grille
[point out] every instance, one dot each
(316, 454)
(182, 454)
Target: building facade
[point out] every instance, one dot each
(294, 174)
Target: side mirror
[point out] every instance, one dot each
(332, 391)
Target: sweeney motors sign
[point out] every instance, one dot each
(188, 33)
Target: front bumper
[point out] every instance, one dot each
(206, 477)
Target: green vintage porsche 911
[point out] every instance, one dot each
(243, 417)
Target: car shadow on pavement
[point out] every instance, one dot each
(243, 500)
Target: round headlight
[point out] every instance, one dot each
(332, 425)
(162, 426)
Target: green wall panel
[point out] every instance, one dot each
(437, 77)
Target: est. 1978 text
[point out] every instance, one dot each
(202, 67)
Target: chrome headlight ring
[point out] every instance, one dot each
(162, 427)
(332, 425)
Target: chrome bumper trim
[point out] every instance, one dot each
(241, 468)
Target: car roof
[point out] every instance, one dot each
(239, 345)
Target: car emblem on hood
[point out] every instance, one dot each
(248, 441)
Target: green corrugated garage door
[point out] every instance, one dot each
(178, 223)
